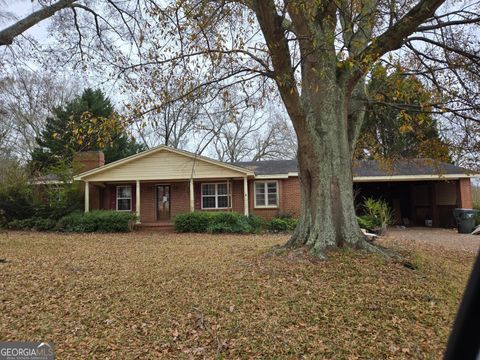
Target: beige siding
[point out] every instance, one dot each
(163, 165)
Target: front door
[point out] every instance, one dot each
(163, 202)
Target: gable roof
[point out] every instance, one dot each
(240, 171)
(371, 169)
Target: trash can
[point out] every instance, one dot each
(465, 219)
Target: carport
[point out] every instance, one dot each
(416, 190)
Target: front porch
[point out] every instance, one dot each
(157, 202)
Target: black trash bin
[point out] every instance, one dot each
(465, 220)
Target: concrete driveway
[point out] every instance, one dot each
(446, 238)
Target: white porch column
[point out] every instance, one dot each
(192, 196)
(245, 196)
(87, 197)
(137, 202)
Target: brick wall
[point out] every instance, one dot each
(180, 194)
(179, 200)
(87, 160)
(236, 191)
(465, 194)
(289, 198)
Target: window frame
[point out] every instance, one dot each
(122, 198)
(265, 185)
(216, 195)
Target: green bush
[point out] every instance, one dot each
(20, 199)
(34, 223)
(44, 224)
(97, 221)
(217, 222)
(16, 194)
(256, 222)
(282, 224)
(366, 222)
(376, 214)
(196, 222)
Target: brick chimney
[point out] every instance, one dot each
(87, 160)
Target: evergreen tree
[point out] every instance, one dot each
(87, 123)
(397, 123)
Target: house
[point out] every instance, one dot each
(162, 182)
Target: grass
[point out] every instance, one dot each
(149, 296)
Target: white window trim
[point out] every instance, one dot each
(229, 194)
(131, 197)
(266, 206)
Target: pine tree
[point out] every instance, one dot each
(87, 123)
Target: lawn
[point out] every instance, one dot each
(147, 295)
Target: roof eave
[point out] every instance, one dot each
(413, 177)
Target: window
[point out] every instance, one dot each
(124, 198)
(266, 194)
(215, 196)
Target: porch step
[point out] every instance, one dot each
(155, 226)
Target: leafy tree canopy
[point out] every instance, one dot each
(87, 123)
(398, 121)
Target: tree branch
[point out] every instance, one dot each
(272, 28)
(393, 38)
(7, 35)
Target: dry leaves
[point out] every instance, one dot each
(152, 295)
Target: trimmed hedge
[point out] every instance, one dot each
(282, 224)
(97, 221)
(217, 222)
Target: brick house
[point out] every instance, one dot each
(162, 182)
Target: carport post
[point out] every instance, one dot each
(87, 197)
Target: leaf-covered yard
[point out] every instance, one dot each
(147, 295)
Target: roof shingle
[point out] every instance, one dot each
(363, 168)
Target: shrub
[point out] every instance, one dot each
(376, 214)
(192, 222)
(20, 199)
(34, 223)
(217, 222)
(256, 222)
(16, 195)
(97, 221)
(44, 224)
(366, 222)
(282, 224)
(20, 224)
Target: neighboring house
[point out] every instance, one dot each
(162, 182)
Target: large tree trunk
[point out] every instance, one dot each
(328, 217)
